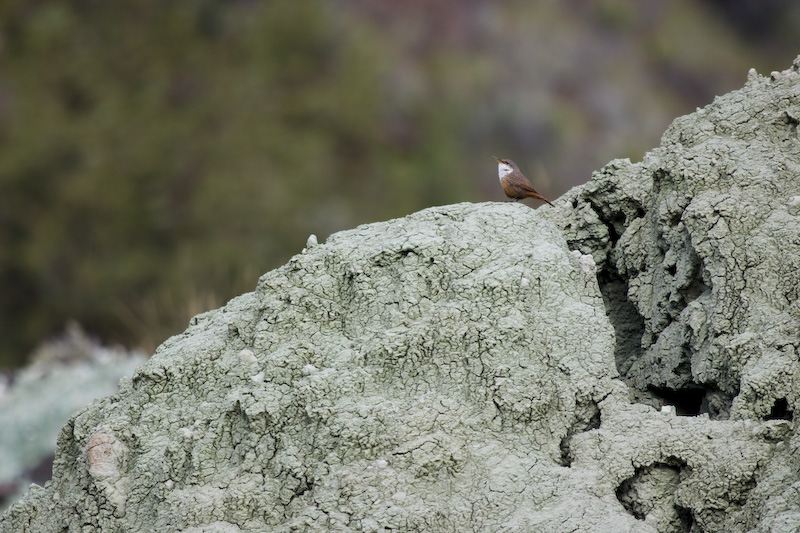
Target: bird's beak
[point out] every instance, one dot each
(496, 159)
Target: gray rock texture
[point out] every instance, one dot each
(489, 367)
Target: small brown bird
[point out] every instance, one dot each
(515, 185)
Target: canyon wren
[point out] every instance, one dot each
(515, 185)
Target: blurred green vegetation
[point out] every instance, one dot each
(157, 157)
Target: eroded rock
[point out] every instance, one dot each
(698, 248)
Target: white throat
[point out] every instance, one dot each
(503, 170)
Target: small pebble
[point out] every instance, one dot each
(794, 205)
(247, 357)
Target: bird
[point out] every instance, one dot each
(514, 183)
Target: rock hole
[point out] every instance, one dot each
(650, 493)
(616, 227)
(690, 401)
(780, 410)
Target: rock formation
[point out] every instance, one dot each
(627, 361)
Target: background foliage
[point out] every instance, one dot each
(157, 157)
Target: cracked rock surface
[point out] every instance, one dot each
(417, 374)
(465, 369)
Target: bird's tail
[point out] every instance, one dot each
(539, 197)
